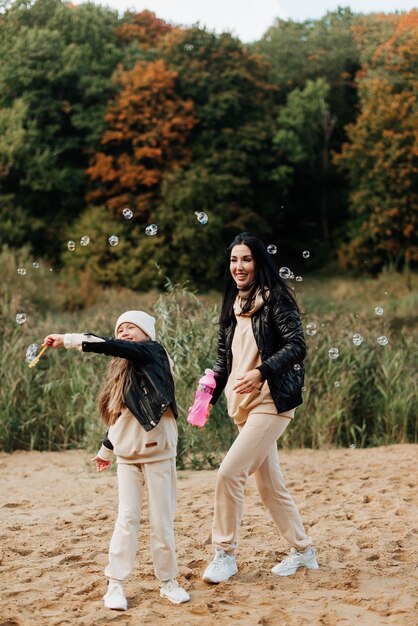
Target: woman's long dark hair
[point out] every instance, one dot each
(267, 277)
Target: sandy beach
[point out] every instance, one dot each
(360, 507)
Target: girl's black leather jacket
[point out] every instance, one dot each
(279, 336)
(151, 388)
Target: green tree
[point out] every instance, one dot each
(381, 156)
(57, 60)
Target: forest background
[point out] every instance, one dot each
(308, 137)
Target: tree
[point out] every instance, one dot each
(57, 61)
(381, 156)
(303, 141)
(147, 128)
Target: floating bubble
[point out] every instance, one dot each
(127, 213)
(21, 271)
(71, 246)
(333, 353)
(284, 272)
(35, 265)
(31, 352)
(297, 367)
(379, 310)
(272, 249)
(201, 217)
(336, 384)
(151, 230)
(352, 445)
(84, 241)
(383, 340)
(357, 339)
(306, 254)
(303, 388)
(298, 279)
(20, 318)
(113, 240)
(291, 277)
(311, 329)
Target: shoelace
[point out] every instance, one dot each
(219, 560)
(170, 585)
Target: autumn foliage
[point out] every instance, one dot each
(147, 128)
(381, 156)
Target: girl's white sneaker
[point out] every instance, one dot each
(295, 560)
(171, 590)
(115, 597)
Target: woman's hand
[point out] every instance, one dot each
(54, 341)
(101, 464)
(247, 383)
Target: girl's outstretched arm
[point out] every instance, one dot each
(53, 341)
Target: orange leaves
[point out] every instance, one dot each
(148, 125)
(381, 156)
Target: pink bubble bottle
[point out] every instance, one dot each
(199, 411)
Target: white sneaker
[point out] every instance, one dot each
(295, 560)
(115, 597)
(222, 567)
(171, 590)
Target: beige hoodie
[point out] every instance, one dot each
(246, 357)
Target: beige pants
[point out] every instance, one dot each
(254, 451)
(159, 478)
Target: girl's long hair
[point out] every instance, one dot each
(267, 278)
(111, 394)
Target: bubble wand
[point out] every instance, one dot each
(35, 360)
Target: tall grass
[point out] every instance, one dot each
(366, 397)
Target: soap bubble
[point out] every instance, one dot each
(151, 230)
(21, 271)
(127, 213)
(333, 353)
(297, 367)
(357, 339)
(35, 265)
(379, 310)
(336, 384)
(84, 241)
(113, 240)
(352, 445)
(382, 341)
(201, 217)
(284, 272)
(31, 352)
(71, 246)
(298, 279)
(311, 329)
(272, 249)
(20, 318)
(306, 254)
(303, 388)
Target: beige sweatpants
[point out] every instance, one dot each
(254, 451)
(159, 479)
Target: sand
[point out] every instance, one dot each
(360, 507)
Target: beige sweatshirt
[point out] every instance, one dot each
(246, 357)
(131, 443)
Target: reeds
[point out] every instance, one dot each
(367, 396)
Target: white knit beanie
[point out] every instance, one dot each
(141, 319)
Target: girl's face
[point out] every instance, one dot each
(130, 332)
(242, 266)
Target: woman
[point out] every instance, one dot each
(260, 366)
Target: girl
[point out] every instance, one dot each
(137, 403)
(260, 365)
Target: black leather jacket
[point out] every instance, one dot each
(279, 336)
(151, 388)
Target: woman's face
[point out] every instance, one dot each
(131, 332)
(242, 266)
